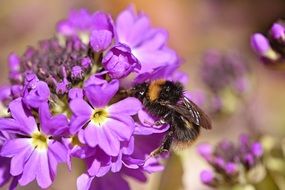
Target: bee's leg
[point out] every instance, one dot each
(159, 122)
(162, 120)
(165, 146)
(156, 123)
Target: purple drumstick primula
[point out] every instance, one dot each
(101, 124)
(68, 99)
(96, 28)
(230, 162)
(270, 48)
(147, 44)
(34, 153)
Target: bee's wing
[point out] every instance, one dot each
(190, 111)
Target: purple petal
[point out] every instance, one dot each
(84, 181)
(151, 165)
(55, 125)
(75, 93)
(124, 23)
(11, 125)
(103, 171)
(100, 40)
(146, 125)
(96, 79)
(92, 134)
(231, 168)
(30, 169)
(12, 147)
(117, 165)
(57, 153)
(19, 160)
(43, 173)
(260, 44)
(121, 129)
(277, 31)
(128, 106)
(207, 177)
(99, 96)
(102, 21)
(94, 167)
(257, 149)
(110, 144)
(151, 60)
(156, 41)
(205, 150)
(77, 123)
(139, 28)
(22, 116)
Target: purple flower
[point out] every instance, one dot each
(66, 99)
(147, 44)
(104, 125)
(119, 62)
(34, 153)
(270, 48)
(83, 24)
(229, 161)
(225, 75)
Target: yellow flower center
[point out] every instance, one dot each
(39, 141)
(99, 116)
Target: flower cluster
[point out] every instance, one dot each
(231, 163)
(226, 77)
(270, 49)
(65, 101)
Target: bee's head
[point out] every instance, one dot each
(140, 91)
(171, 92)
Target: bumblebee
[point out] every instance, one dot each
(166, 100)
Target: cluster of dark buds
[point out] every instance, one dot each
(231, 164)
(64, 101)
(271, 48)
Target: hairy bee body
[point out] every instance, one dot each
(166, 100)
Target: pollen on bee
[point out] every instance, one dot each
(154, 89)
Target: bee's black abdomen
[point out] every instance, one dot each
(184, 131)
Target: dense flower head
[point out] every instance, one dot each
(270, 47)
(230, 162)
(225, 74)
(65, 100)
